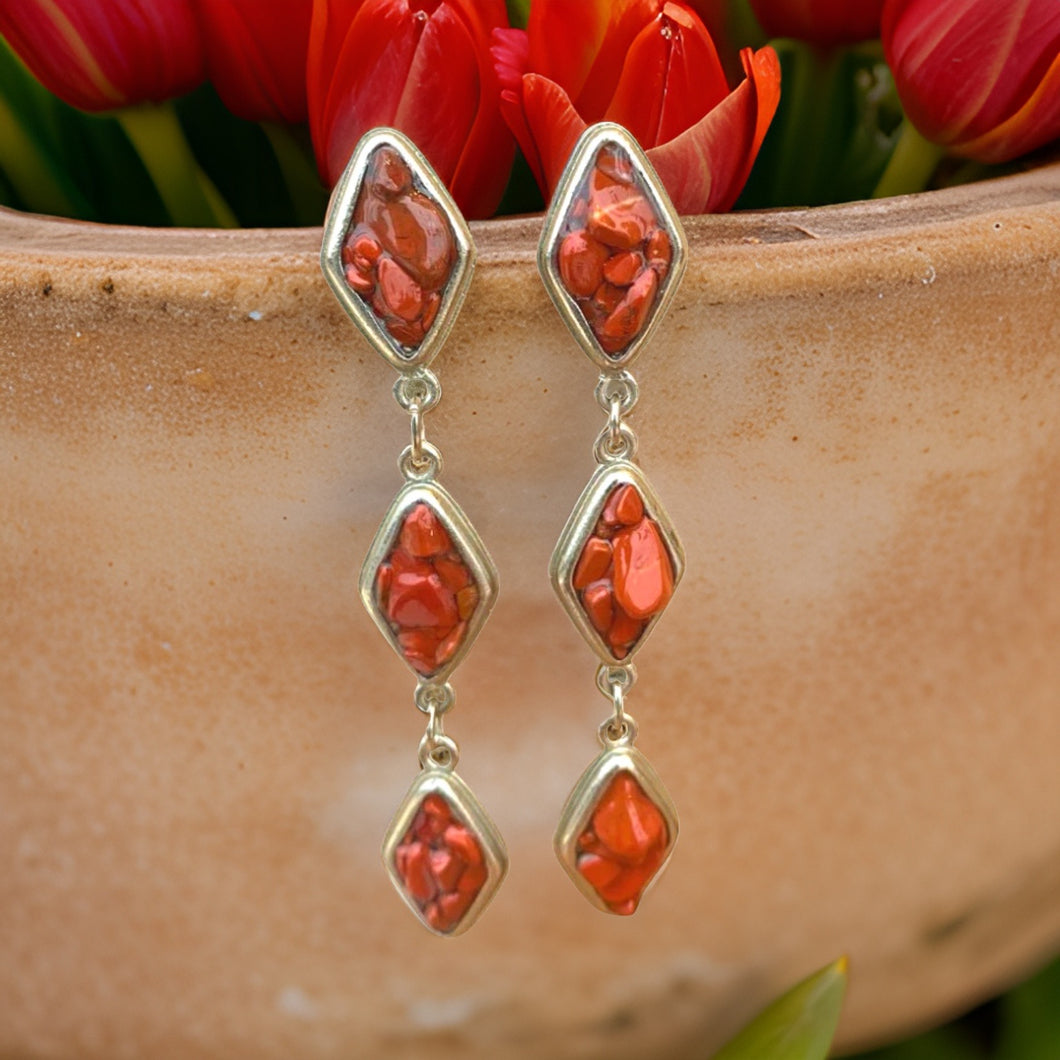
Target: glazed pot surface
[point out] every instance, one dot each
(851, 417)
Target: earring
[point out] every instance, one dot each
(611, 256)
(398, 256)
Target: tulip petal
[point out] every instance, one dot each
(100, 57)
(967, 70)
(256, 56)
(671, 78)
(365, 82)
(553, 126)
(485, 164)
(705, 168)
(442, 79)
(1034, 124)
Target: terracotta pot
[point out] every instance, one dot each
(851, 414)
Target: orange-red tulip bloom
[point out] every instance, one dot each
(824, 22)
(421, 66)
(650, 66)
(979, 77)
(256, 55)
(98, 56)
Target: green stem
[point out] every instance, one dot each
(912, 163)
(308, 195)
(39, 183)
(189, 196)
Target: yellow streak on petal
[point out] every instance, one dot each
(80, 51)
(995, 145)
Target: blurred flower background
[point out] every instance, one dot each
(235, 112)
(238, 112)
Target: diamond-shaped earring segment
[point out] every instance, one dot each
(612, 252)
(428, 580)
(617, 830)
(397, 253)
(617, 562)
(444, 855)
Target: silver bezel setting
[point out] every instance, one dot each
(578, 810)
(466, 541)
(337, 224)
(580, 525)
(447, 784)
(582, 158)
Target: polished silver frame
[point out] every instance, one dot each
(578, 810)
(579, 526)
(585, 151)
(468, 543)
(337, 224)
(444, 782)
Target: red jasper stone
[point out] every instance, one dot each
(624, 844)
(440, 863)
(593, 562)
(400, 251)
(421, 602)
(624, 575)
(614, 252)
(643, 574)
(628, 318)
(581, 263)
(426, 592)
(422, 533)
(624, 506)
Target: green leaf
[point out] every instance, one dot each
(799, 1025)
(1030, 1018)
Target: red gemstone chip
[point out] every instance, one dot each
(624, 844)
(614, 252)
(426, 591)
(624, 575)
(441, 865)
(400, 251)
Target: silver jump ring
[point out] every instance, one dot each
(608, 450)
(607, 677)
(423, 469)
(419, 439)
(420, 386)
(438, 752)
(617, 384)
(434, 699)
(615, 732)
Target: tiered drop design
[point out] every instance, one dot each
(398, 256)
(611, 257)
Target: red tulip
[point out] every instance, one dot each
(423, 67)
(979, 77)
(256, 56)
(650, 66)
(98, 56)
(825, 22)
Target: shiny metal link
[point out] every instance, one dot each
(428, 466)
(620, 385)
(419, 438)
(419, 387)
(437, 751)
(612, 446)
(618, 732)
(615, 682)
(616, 393)
(434, 698)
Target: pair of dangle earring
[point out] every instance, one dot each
(399, 257)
